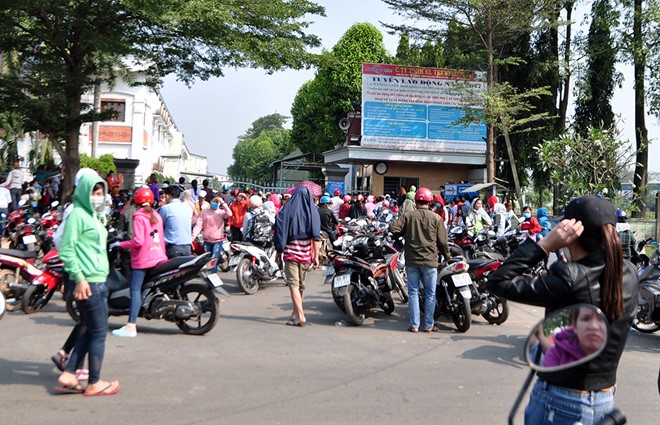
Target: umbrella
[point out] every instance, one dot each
(290, 191)
(313, 188)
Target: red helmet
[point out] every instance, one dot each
(347, 198)
(143, 196)
(337, 192)
(360, 198)
(424, 194)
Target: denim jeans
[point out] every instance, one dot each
(4, 213)
(428, 277)
(215, 248)
(15, 198)
(549, 404)
(94, 313)
(178, 250)
(137, 279)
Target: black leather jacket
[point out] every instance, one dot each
(567, 284)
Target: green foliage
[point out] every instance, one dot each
(586, 165)
(103, 164)
(595, 90)
(322, 102)
(12, 128)
(264, 142)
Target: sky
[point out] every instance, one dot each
(213, 114)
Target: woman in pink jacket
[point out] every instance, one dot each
(147, 250)
(212, 222)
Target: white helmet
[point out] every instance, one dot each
(256, 201)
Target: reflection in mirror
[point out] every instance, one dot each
(566, 338)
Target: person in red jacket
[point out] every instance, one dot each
(345, 208)
(529, 223)
(238, 210)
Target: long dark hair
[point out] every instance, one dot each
(611, 289)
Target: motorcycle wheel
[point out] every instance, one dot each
(3, 305)
(498, 314)
(72, 309)
(224, 262)
(400, 285)
(350, 308)
(208, 305)
(643, 323)
(35, 298)
(246, 278)
(388, 306)
(7, 278)
(461, 314)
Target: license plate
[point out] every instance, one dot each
(462, 279)
(342, 280)
(234, 261)
(328, 271)
(29, 239)
(215, 280)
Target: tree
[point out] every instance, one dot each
(264, 142)
(65, 46)
(493, 22)
(323, 101)
(103, 164)
(595, 91)
(641, 39)
(586, 165)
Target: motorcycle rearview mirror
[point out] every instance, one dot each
(31, 220)
(22, 202)
(54, 204)
(566, 338)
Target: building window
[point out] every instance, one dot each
(117, 106)
(391, 184)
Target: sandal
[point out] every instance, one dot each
(296, 323)
(60, 361)
(70, 389)
(413, 330)
(110, 389)
(82, 374)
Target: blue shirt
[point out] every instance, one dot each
(177, 222)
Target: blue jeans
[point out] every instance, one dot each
(215, 248)
(178, 250)
(549, 404)
(137, 279)
(4, 212)
(94, 313)
(429, 277)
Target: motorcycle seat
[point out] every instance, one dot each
(168, 265)
(479, 262)
(18, 253)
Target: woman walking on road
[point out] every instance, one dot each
(147, 250)
(297, 240)
(597, 274)
(212, 223)
(84, 253)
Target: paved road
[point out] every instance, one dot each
(252, 369)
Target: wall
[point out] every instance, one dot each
(430, 175)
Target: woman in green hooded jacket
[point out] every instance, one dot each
(83, 251)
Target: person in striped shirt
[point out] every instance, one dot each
(297, 240)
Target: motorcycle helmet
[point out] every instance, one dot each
(256, 201)
(144, 196)
(337, 192)
(360, 198)
(370, 198)
(347, 199)
(325, 200)
(424, 194)
(225, 187)
(621, 214)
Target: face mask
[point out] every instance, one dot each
(527, 215)
(97, 202)
(214, 205)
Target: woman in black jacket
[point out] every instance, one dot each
(596, 274)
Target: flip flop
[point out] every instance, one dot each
(296, 323)
(70, 389)
(105, 391)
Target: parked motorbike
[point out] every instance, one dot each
(364, 276)
(166, 293)
(225, 254)
(453, 293)
(255, 265)
(25, 237)
(16, 271)
(548, 329)
(647, 319)
(493, 308)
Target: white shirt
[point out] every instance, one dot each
(15, 179)
(334, 206)
(5, 197)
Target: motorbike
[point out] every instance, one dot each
(647, 319)
(537, 350)
(482, 303)
(225, 254)
(25, 237)
(255, 265)
(3, 305)
(364, 277)
(453, 292)
(166, 293)
(43, 283)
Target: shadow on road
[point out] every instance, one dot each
(500, 349)
(16, 372)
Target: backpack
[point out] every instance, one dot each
(260, 228)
